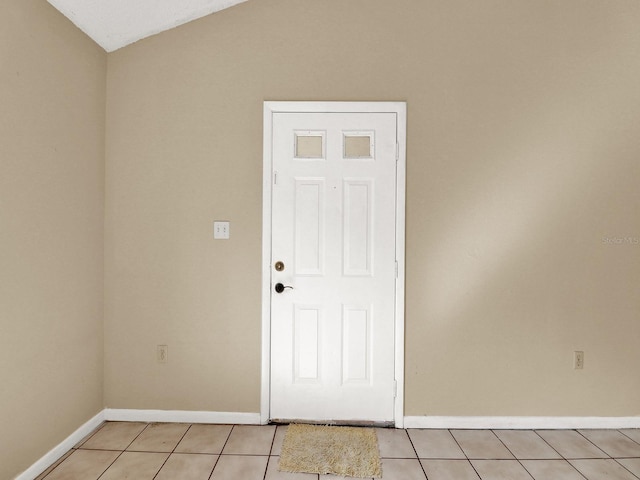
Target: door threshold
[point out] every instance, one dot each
(339, 423)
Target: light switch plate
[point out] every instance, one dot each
(221, 230)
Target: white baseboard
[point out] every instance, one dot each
(67, 444)
(524, 423)
(180, 416)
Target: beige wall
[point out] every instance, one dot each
(52, 107)
(523, 148)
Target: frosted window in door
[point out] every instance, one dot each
(309, 145)
(358, 216)
(309, 226)
(358, 145)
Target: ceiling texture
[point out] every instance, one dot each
(114, 24)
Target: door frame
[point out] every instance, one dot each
(271, 108)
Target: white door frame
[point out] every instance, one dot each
(270, 108)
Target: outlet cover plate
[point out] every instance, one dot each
(221, 230)
(162, 354)
(578, 360)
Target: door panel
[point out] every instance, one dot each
(356, 344)
(306, 341)
(357, 234)
(333, 227)
(309, 226)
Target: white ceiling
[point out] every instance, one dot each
(113, 24)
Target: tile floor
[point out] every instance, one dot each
(162, 451)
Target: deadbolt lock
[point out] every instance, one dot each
(279, 266)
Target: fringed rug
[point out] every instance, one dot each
(345, 451)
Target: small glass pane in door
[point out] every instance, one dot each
(309, 146)
(358, 146)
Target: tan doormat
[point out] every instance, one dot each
(345, 451)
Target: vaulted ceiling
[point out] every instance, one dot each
(113, 24)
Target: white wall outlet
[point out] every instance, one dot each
(221, 230)
(578, 360)
(162, 353)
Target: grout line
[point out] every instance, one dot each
(172, 451)
(227, 440)
(221, 450)
(592, 443)
(100, 449)
(511, 452)
(110, 465)
(460, 446)
(136, 437)
(122, 451)
(76, 447)
(90, 436)
(55, 465)
(616, 460)
(273, 440)
(215, 464)
(633, 440)
(548, 444)
(465, 454)
(243, 455)
(504, 445)
(416, 452)
(561, 456)
(266, 466)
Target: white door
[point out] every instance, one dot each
(333, 266)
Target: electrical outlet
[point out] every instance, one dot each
(162, 353)
(578, 360)
(221, 230)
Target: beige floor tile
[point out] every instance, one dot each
(274, 474)
(135, 465)
(500, 470)
(551, 470)
(526, 444)
(250, 440)
(570, 444)
(435, 444)
(187, 466)
(54, 465)
(83, 464)
(394, 443)
(632, 433)
(204, 439)
(281, 431)
(89, 435)
(240, 467)
(601, 469)
(631, 464)
(402, 469)
(159, 437)
(613, 443)
(449, 470)
(481, 444)
(114, 436)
